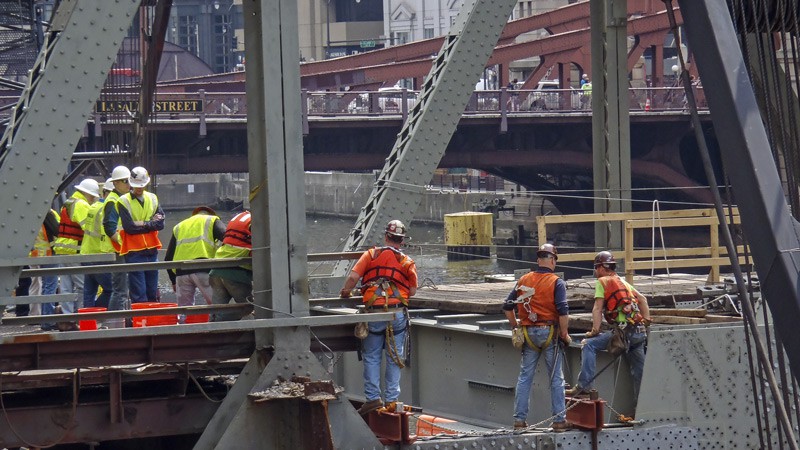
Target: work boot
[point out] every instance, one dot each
(561, 426)
(520, 424)
(573, 391)
(370, 406)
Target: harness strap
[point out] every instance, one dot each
(546, 343)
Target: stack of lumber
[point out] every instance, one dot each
(660, 316)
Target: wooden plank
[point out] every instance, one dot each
(610, 217)
(679, 263)
(672, 320)
(717, 318)
(699, 313)
(678, 222)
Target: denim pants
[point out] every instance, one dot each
(373, 348)
(71, 284)
(49, 287)
(223, 290)
(634, 355)
(143, 284)
(527, 368)
(91, 283)
(119, 292)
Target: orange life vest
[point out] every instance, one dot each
(237, 233)
(67, 228)
(386, 276)
(542, 302)
(621, 303)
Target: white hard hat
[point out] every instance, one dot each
(108, 185)
(120, 173)
(89, 186)
(396, 228)
(139, 177)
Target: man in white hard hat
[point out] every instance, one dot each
(112, 227)
(70, 236)
(95, 242)
(142, 218)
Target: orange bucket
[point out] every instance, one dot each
(89, 325)
(150, 321)
(196, 318)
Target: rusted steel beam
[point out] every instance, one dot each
(390, 427)
(585, 413)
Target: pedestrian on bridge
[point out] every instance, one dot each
(112, 227)
(95, 242)
(233, 282)
(542, 319)
(196, 237)
(142, 218)
(388, 278)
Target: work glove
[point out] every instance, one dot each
(593, 333)
(647, 321)
(344, 293)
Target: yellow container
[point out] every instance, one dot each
(468, 235)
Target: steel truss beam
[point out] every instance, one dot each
(766, 219)
(51, 114)
(424, 137)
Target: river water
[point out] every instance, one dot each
(425, 246)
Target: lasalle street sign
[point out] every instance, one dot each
(160, 106)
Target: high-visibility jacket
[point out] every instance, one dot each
(386, 276)
(194, 238)
(70, 231)
(542, 302)
(94, 237)
(42, 245)
(237, 242)
(139, 212)
(113, 198)
(621, 304)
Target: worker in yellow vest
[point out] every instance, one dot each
(47, 285)
(142, 218)
(112, 226)
(95, 242)
(70, 236)
(233, 282)
(196, 237)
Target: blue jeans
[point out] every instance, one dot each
(527, 368)
(635, 357)
(91, 282)
(119, 292)
(143, 284)
(49, 287)
(71, 284)
(373, 348)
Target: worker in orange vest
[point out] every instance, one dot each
(142, 218)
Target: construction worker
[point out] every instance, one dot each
(142, 218)
(112, 226)
(388, 278)
(196, 237)
(623, 307)
(542, 319)
(233, 282)
(70, 235)
(586, 94)
(94, 242)
(46, 285)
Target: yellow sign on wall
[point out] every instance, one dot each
(167, 106)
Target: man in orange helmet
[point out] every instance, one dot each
(388, 278)
(542, 316)
(623, 307)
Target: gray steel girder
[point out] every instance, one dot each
(766, 219)
(49, 118)
(422, 141)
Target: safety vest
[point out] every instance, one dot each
(113, 198)
(237, 242)
(42, 245)
(94, 237)
(542, 301)
(139, 212)
(621, 305)
(70, 230)
(194, 238)
(386, 277)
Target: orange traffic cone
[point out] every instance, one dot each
(647, 105)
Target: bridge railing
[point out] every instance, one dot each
(209, 105)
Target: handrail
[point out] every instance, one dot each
(712, 255)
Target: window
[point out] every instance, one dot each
(401, 37)
(223, 47)
(188, 34)
(359, 10)
(427, 33)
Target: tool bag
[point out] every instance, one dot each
(517, 338)
(619, 342)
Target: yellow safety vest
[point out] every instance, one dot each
(194, 238)
(77, 209)
(232, 251)
(41, 245)
(94, 237)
